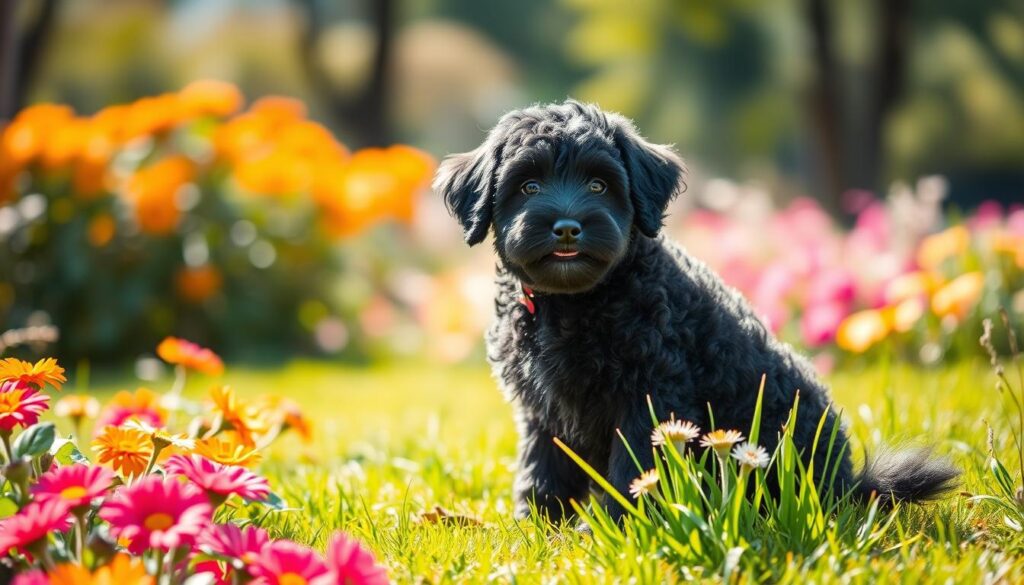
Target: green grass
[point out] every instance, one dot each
(396, 441)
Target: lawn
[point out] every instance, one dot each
(394, 442)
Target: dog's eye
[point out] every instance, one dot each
(530, 188)
(597, 186)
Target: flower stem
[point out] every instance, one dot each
(152, 460)
(80, 536)
(5, 438)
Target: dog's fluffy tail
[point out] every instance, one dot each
(906, 475)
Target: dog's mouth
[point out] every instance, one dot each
(565, 254)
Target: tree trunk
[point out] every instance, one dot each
(8, 60)
(888, 82)
(363, 111)
(825, 109)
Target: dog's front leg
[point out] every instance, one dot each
(636, 426)
(546, 478)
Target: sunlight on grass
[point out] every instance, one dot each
(393, 442)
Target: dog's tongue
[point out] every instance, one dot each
(566, 254)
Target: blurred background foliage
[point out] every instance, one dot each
(787, 99)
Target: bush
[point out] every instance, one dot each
(176, 214)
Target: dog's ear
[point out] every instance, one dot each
(466, 181)
(655, 175)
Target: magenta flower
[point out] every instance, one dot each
(220, 571)
(282, 562)
(33, 577)
(820, 322)
(157, 512)
(33, 523)
(349, 563)
(76, 484)
(20, 405)
(220, 481)
(228, 540)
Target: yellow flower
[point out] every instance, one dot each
(861, 330)
(126, 451)
(959, 296)
(228, 449)
(122, 570)
(162, 438)
(45, 371)
(915, 284)
(77, 406)
(936, 248)
(721, 441)
(907, 313)
(644, 484)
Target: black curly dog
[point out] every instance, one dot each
(595, 311)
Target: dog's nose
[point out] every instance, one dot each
(567, 230)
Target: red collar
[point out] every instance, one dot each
(527, 299)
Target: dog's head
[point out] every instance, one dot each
(566, 187)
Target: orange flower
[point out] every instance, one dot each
(290, 415)
(77, 406)
(121, 570)
(278, 109)
(860, 330)
(194, 357)
(228, 449)
(45, 371)
(936, 248)
(239, 415)
(102, 229)
(209, 97)
(196, 285)
(375, 184)
(64, 143)
(125, 450)
(277, 172)
(153, 191)
(26, 136)
(1011, 244)
(151, 115)
(959, 296)
(914, 284)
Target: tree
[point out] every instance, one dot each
(365, 111)
(21, 52)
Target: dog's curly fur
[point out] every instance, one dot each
(644, 319)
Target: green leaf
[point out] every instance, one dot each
(34, 441)
(65, 452)
(8, 507)
(276, 502)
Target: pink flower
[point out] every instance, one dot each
(820, 322)
(834, 285)
(220, 481)
(220, 571)
(157, 512)
(283, 562)
(350, 563)
(33, 577)
(77, 484)
(33, 523)
(20, 405)
(228, 540)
